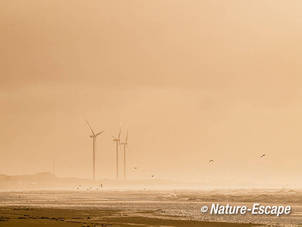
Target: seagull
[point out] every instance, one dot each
(262, 156)
(78, 187)
(211, 161)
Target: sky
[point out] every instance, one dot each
(190, 80)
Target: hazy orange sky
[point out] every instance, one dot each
(191, 80)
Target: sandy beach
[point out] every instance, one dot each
(140, 208)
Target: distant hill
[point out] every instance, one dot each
(48, 181)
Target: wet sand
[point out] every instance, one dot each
(139, 208)
(93, 218)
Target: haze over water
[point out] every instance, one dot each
(190, 80)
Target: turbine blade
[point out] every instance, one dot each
(99, 133)
(90, 128)
(119, 134)
(126, 137)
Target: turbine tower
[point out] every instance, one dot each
(117, 143)
(93, 136)
(124, 144)
(53, 167)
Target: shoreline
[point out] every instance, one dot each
(90, 217)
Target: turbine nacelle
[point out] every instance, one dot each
(126, 140)
(118, 138)
(95, 135)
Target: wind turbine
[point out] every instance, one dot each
(93, 136)
(117, 143)
(53, 167)
(124, 144)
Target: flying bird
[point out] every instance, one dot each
(263, 155)
(211, 161)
